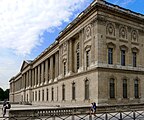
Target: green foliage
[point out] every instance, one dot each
(4, 94)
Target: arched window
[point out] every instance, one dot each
(136, 88)
(112, 88)
(73, 91)
(63, 92)
(124, 88)
(86, 89)
(77, 56)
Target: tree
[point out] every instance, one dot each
(4, 94)
(1, 94)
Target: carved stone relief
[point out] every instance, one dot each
(123, 32)
(88, 32)
(134, 36)
(110, 30)
(64, 47)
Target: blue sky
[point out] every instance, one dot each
(27, 27)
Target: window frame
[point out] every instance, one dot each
(125, 88)
(110, 55)
(112, 94)
(87, 89)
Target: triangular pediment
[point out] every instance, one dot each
(25, 64)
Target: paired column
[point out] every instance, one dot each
(51, 68)
(30, 78)
(70, 57)
(56, 65)
(36, 79)
(46, 71)
(42, 73)
(39, 78)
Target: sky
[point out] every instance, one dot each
(28, 27)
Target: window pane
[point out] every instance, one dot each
(47, 94)
(87, 58)
(136, 89)
(63, 92)
(86, 89)
(134, 59)
(124, 88)
(64, 68)
(73, 91)
(110, 55)
(112, 88)
(78, 59)
(52, 94)
(123, 57)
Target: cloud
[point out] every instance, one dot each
(22, 22)
(123, 3)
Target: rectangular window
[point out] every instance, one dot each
(110, 55)
(63, 92)
(52, 98)
(134, 58)
(35, 95)
(112, 88)
(64, 68)
(73, 91)
(42, 95)
(87, 58)
(86, 90)
(47, 94)
(123, 57)
(78, 64)
(124, 88)
(136, 89)
(39, 95)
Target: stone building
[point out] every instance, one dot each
(97, 57)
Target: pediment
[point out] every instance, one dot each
(25, 64)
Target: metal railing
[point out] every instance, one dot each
(122, 112)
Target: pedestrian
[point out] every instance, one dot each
(4, 107)
(93, 108)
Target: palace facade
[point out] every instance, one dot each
(98, 57)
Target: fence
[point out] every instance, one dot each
(117, 112)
